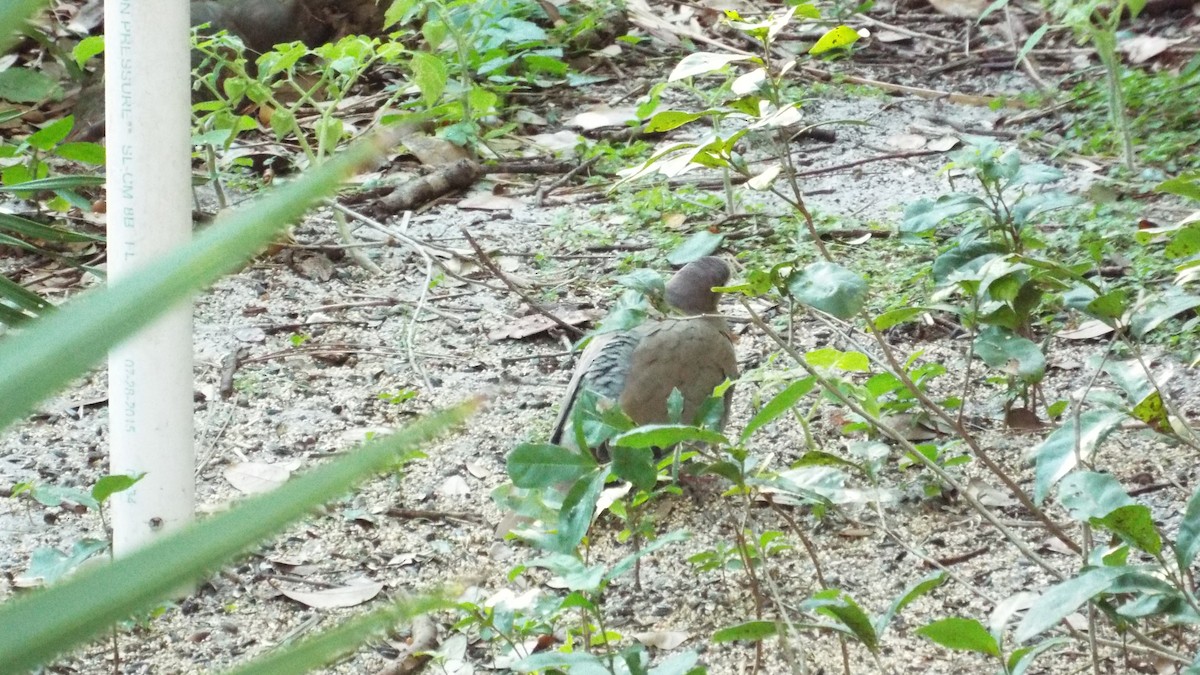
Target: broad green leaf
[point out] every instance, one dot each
(1134, 524)
(701, 63)
(1055, 457)
(25, 85)
(1187, 185)
(535, 465)
(667, 435)
(579, 577)
(836, 38)
(555, 661)
(88, 153)
(838, 605)
(1008, 352)
(1184, 243)
(1187, 542)
(635, 465)
(1087, 494)
(671, 119)
(88, 47)
(38, 627)
(831, 288)
(1063, 598)
(779, 404)
(751, 630)
(50, 565)
(1111, 305)
(697, 246)
(962, 634)
(56, 495)
(576, 513)
(52, 134)
(430, 74)
(681, 663)
(108, 486)
(924, 215)
(1154, 313)
(59, 346)
(895, 317)
(835, 359)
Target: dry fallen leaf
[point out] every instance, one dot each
(886, 35)
(1142, 48)
(255, 477)
(662, 639)
(988, 495)
(333, 598)
(943, 143)
(1088, 330)
(963, 9)
(603, 116)
(906, 141)
(486, 201)
(1023, 419)
(454, 486)
(533, 324)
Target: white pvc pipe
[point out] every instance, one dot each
(147, 128)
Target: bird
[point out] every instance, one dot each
(637, 369)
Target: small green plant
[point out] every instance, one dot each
(397, 397)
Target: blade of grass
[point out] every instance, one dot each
(59, 346)
(35, 629)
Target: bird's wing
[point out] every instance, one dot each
(602, 368)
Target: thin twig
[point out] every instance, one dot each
(486, 261)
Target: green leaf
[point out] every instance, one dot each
(697, 246)
(1032, 41)
(1159, 310)
(25, 85)
(51, 565)
(896, 317)
(1020, 660)
(57, 347)
(36, 628)
(635, 465)
(1087, 494)
(1055, 457)
(1187, 542)
(430, 74)
(838, 604)
(1111, 305)
(88, 153)
(1134, 524)
(56, 495)
(536, 465)
(55, 183)
(911, 593)
(52, 134)
(779, 404)
(831, 288)
(836, 38)
(835, 359)
(924, 215)
(751, 630)
(1184, 243)
(1063, 598)
(22, 298)
(12, 14)
(962, 634)
(1187, 185)
(576, 513)
(667, 435)
(108, 486)
(88, 47)
(1006, 351)
(672, 119)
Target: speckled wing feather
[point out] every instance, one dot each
(602, 368)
